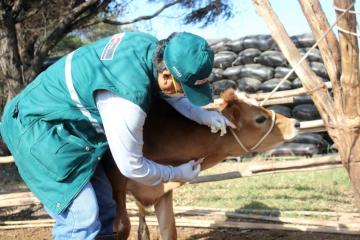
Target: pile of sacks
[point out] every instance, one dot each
(254, 64)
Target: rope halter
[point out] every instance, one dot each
(261, 139)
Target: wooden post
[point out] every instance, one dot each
(348, 131)
(311, 82)
(349, 61)
(329, 47)
(342, 121)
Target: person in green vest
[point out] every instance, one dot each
(94, 99)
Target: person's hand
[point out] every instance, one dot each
(218, 122)
(187, 171)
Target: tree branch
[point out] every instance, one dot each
(86, 19)
(17, 6)
(141, 18)
(9, 52)
(63, 27)
(25, 15)
(312, 83)
(349, 61)
(329, 46)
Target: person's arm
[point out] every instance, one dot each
(123, 124)
(214, 119)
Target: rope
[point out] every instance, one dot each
(341, 29)
(305, 56)
(344, 10)
(273, 116)
(348, 32)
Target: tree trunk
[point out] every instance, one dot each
(342, 122)
(349, 146)
(349, 61)
(9, 55)
(314, 86)
(329, 46)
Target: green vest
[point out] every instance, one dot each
(53, 128)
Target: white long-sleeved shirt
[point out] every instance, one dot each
(123, 123)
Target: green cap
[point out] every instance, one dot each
(190, 60)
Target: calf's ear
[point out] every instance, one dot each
(234, 116)
(229, 96)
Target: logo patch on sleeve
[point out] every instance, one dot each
(110, 48)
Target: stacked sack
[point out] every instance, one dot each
(254, 64)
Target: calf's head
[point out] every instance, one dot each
(257, 128)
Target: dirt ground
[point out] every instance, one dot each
(37, 212)
(194, 233)
(8, 181)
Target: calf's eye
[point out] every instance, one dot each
(260, 119)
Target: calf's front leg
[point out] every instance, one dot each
(143, 230)
(165, 216)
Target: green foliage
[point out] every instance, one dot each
(208, 12)
(66, 45)
(98, 31)
(204, 12)
(81, 37)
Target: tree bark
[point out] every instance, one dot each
(349, 61)
(314, 86)
(329, 46)
(343, 122)
(10, 64)
(349, 129)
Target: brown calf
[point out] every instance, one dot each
(170, 138)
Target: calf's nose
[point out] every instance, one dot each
(297, 124)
